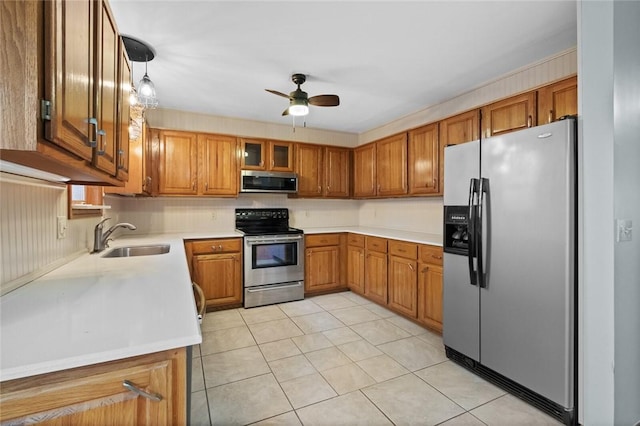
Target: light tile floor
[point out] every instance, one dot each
(337, 360)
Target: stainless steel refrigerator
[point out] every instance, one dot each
(510, 256)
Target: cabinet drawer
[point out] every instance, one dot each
(403, 249)
(320, 240)
(376, 244)
(217, 246)
(356, 240)
(431, 254)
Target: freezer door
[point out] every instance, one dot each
(460, 324)
(527, 307)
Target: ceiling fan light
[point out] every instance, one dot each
(298, 107)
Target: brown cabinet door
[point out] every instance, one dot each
(375, 284)
(557, 100)
(107, 91)
(460, 128)
(508, 115)
(336, 172)
(364, 171)
(252, 154)
(177, 163)
(95, 395)
(355, 269)
(423, 155)
(322, 269)
(309, 170)
(280, 156)
(123, 153)
(70, 77)
(391, 164)
(403, 286)
(219, 276)
(218, 165)
(430, 295)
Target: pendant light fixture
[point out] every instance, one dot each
(139, 51)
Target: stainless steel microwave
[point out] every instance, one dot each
(264, 181)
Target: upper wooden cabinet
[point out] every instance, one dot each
(364, 171)
(218, 165)
(508, 115)
(177, 163)
(391, 165)
(195, 163)
(557, 100)
(63, 68)
(257, 154)
(380, 168)
(323, 171)
(424, 160)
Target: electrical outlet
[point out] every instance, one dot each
(624, 230)
(62, 227)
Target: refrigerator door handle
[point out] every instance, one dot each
(482, 190)
(473, 189)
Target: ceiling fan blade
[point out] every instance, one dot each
(325, 100)
(275, 92)
(285, 112)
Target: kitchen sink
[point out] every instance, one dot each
(138, 251)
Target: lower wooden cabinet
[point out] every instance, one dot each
(216, 266)
(375, 275)
(403, 285)
(96, 394)
(355, 263)
(430, 287)
(323, 265)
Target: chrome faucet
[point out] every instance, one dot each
(100, 240)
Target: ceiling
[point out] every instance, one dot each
(384, 59)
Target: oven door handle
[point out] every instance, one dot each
(272, 287)
(269, 240)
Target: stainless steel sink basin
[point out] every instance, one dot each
(138, 251)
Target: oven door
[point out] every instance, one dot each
(273, 259)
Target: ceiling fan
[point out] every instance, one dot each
(299, 101)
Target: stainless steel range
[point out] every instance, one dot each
(273, 257)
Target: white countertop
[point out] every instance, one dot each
(95, 309)
(414, 237)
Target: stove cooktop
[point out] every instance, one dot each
(264, 222)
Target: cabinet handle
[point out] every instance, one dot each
(319, 189)
(436, 257)
(203, 301)
(402, 250)
(121, 159)
(206, 186)
(220, 247)
(273, 163)
(529, 121)
(550, 115)
(426, 268)
(93, 142)
(411, 266)
(133, 388)
(102, 135)
(193, 186)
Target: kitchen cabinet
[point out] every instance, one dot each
(424, 161)
(391, 165)
(375, 278)
(454, 130)
(260, 154)
(216, 266)
(430, 286)
(136, 165)
(123, 148)
(195, 163)
(323, 269)
(355, 263)
(218, 165)
(96, 395)
(309, 169)
(323, 171)
(402, 280)
(557, 100)
(508, 115)
(364, 171)
(177, 165)
(62, 63)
